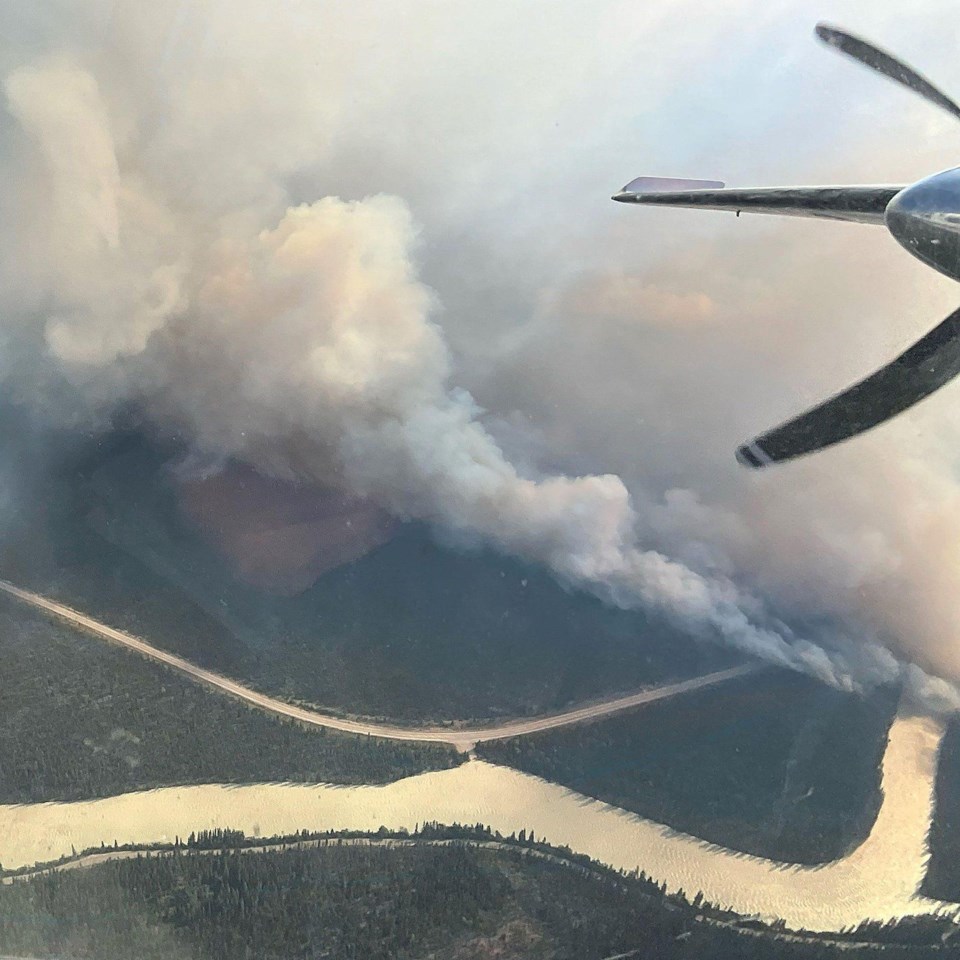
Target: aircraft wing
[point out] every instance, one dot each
(920, 370)
(857, 204)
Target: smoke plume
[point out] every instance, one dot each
(294, 242)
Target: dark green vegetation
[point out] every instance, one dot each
(413, 631)
(374, 898)
(777, 765)
(81, 719)
(943, 869)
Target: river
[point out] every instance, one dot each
(878, 880)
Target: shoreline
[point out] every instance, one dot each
(879, 880)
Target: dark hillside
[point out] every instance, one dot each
(413, 630)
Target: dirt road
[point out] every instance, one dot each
(462, 738)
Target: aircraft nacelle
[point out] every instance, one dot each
(925, 219)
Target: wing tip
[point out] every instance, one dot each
(668, 185)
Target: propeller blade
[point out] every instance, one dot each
(920, 370)
(884, 63)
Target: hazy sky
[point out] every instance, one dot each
(374, 243)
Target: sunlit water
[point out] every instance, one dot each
(879, 880)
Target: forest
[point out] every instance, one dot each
(81, 719)
(777, 765)
(943, 869)
(477, 896)
(415, 631)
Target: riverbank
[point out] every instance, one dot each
(878, 881)
(205, 890)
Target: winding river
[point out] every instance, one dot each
(879, 880)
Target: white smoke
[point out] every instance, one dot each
(168, 268)
(112, 290)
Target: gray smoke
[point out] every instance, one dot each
(229, 216)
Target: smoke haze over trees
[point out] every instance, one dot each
(379, 257)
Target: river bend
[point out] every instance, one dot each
(879, 880)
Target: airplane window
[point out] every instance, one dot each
(414, 545)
